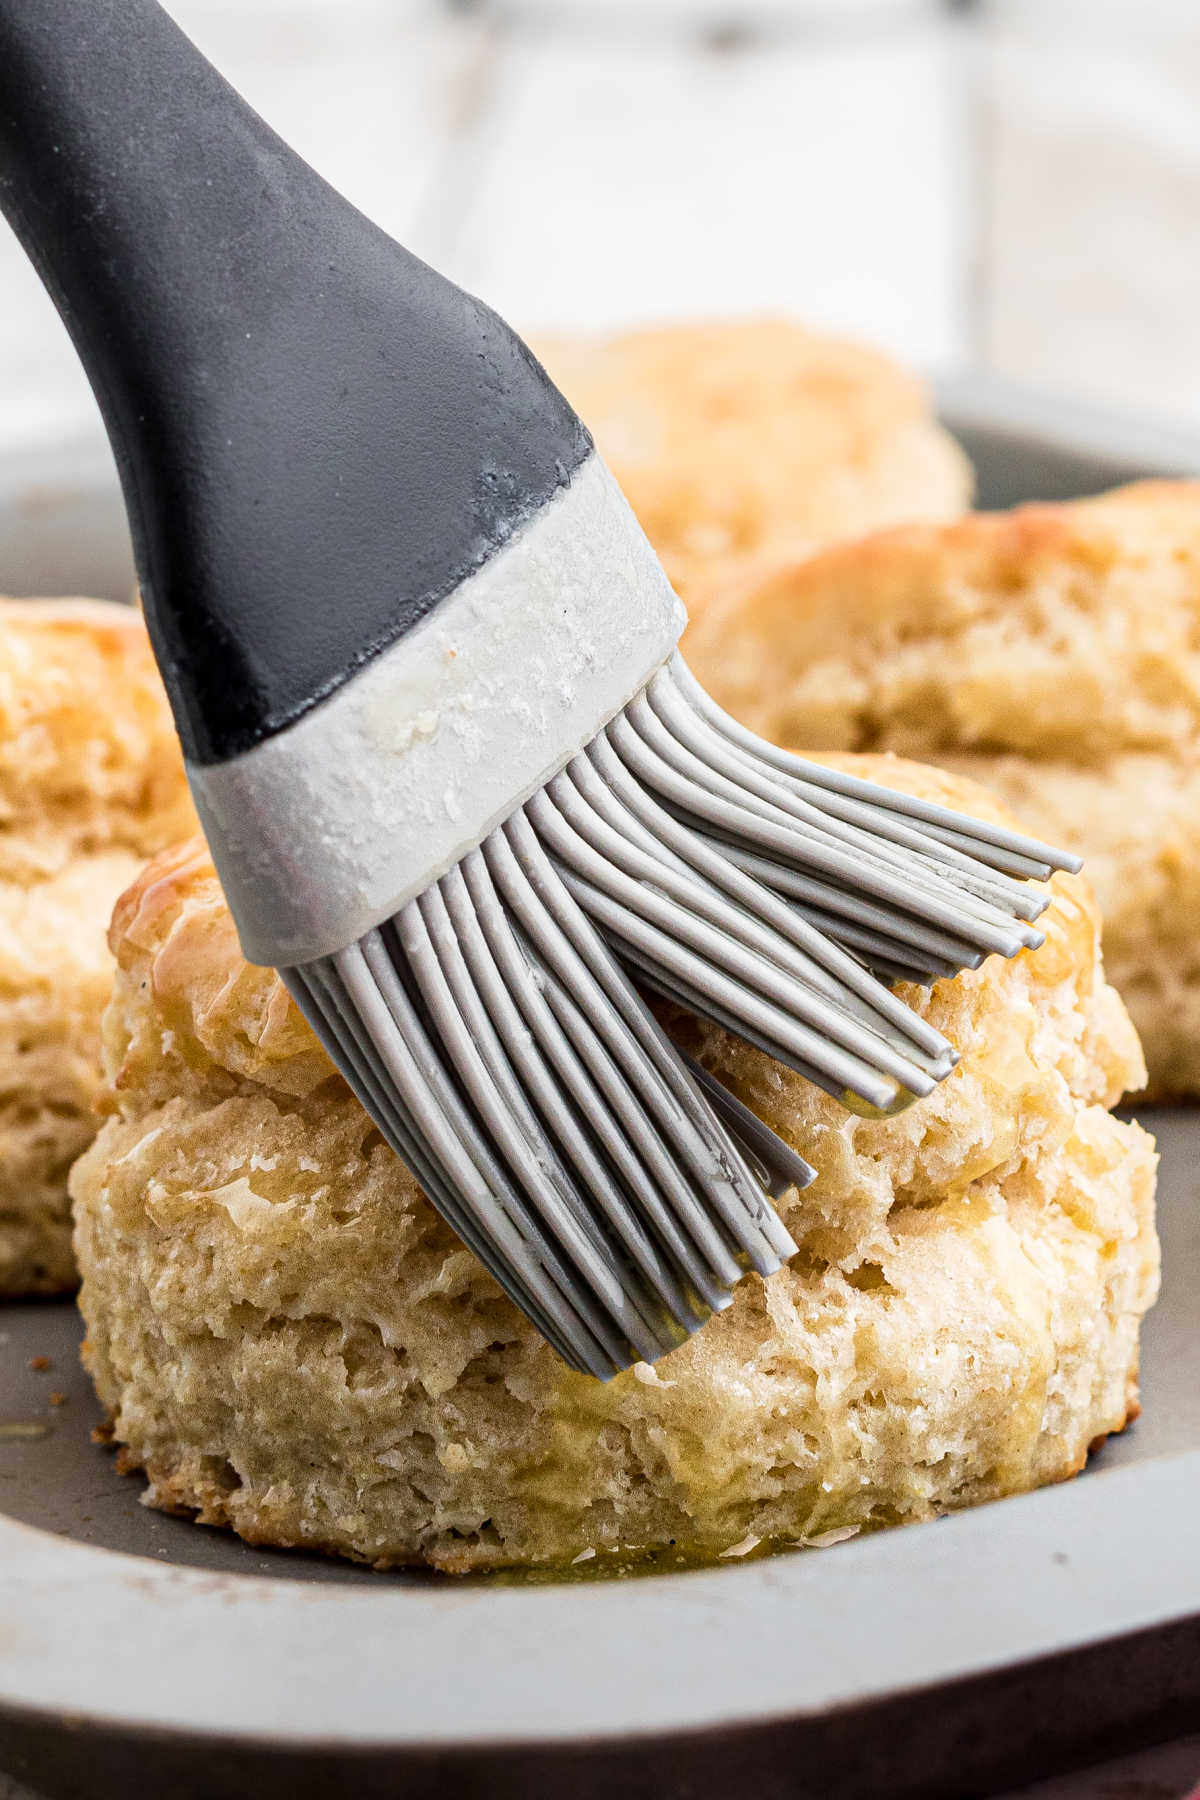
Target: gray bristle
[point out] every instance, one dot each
(613, 1186)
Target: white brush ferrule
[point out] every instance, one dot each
(324, 831)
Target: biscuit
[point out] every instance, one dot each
(1052, 652)
(731, 439)
(88, 754)
(289, 1341)
(91, 783)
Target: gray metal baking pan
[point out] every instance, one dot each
(944, 1660)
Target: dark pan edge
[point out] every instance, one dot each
(948, 1742)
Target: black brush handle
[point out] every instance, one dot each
(317, 435)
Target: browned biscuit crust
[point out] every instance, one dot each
(1052, 652)
(736, 438)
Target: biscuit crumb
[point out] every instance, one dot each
(824, 1540)
(649, 1376)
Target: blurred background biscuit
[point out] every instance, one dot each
(291, 1342)
(1052, 652)
(733, 438)
(91, 783)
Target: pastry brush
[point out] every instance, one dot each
(458, 784)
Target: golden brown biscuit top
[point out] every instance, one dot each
(89, 760)
(197, 1006)
(1069, 630)
(730, 435)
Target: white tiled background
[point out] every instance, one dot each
(1013, 184)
